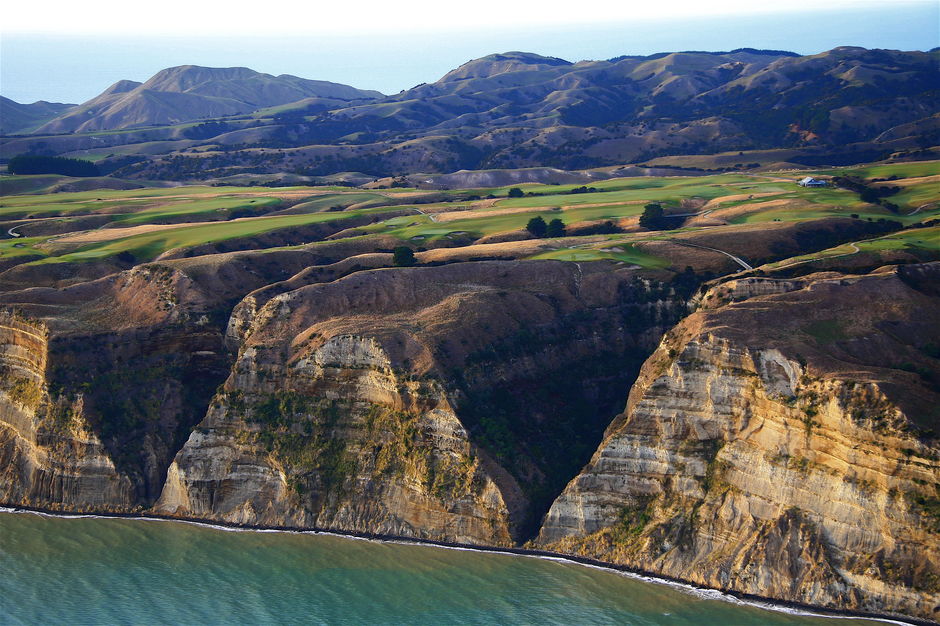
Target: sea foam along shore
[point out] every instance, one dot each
(701, 592)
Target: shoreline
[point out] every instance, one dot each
(770, 604)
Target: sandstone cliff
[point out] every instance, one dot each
(450, 402)
(125, 368)
(337, 439)
(781, 446)
(49, 457)
(781, 441)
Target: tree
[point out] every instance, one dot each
(403, 256)
(653, 217)
(555, 228)
(537, 227)
(515, 192)
(34, 164)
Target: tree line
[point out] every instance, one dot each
(35, 164)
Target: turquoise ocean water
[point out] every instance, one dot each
(120, 571)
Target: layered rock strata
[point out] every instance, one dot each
(49, 457)
(781, 441)
(420, 402)
(781, 446)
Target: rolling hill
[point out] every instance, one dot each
(189, 92)
(515, 110)
(21, 118)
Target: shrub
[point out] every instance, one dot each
(555, 228)
(537, 227)
(653, 217)
(403, 256)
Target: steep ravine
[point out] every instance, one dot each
(449, 403)
(129, 364)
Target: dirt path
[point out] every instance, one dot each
(26, 222)
(736, 259)
(699, 214)
(853, 245)
(917, 210)
(427, 215)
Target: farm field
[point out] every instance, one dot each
(759, 216)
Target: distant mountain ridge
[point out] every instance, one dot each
(517, 110)
(19, 118)
(190, 92)
(520, 109)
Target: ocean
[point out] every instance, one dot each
(129, 571)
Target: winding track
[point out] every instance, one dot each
(923, 206)
(853, 245)
(427, 215)
(736, 259)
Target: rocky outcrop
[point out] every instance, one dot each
(781, 441)
(337, 439)
(423, 402)
(127, 368)
(48, 455)
(737, 290)
(783, 454)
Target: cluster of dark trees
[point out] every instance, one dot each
(872, 195)
(207, 130)
(403, 256)
(607, 227)
(515, 192)
(540, 229)
(35, 164)
(654, 218)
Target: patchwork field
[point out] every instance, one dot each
(760, 218)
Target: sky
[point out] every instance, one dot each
(70, 51)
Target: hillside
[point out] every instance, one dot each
(515, 110)
(24, 118)
(189, 92)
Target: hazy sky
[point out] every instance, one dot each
(365, 16)
(69, 52)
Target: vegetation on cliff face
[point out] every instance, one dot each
(26, 392)
(327, 447)
(738, 424)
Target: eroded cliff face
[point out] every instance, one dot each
(337, 439)
(427, 403)
(48, 455)
(782, 441)
(780, 446)
(125, 368)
